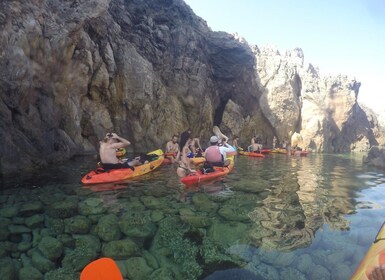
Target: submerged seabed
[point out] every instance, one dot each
(277, 218)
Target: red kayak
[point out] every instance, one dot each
(265, 151)
(251, 154)
(199, 176)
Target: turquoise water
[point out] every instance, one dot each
(278, 218)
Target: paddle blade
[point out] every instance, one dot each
(101, 269)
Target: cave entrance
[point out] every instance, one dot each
(218, 115)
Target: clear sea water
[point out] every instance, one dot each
(280, 217)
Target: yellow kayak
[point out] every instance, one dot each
(279, 151)
(375, 257)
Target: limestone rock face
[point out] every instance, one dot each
(376, 157)
(70, 71)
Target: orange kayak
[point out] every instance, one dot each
(100, 175)
(101, 269)
(251, 154)
(374, 258)
(199, 176)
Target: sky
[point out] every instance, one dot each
(338, 36)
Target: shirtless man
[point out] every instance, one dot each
(255, 146)
(107, 152)
(172, 148)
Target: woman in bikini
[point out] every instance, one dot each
(184, 167)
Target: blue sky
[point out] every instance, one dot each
(340, 36)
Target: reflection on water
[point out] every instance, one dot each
(280, 217)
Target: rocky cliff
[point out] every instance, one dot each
(70, 71)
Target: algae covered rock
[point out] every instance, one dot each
(92, 206)
(203, 203)
(34, 221)
(41, 263)
(77, 259)
(226, 233)
(61, 274)
(30, 208)
(51, 248)
(234, 213)
(151, 202)
(7, 269)
(107, 228)
(196, 221)
(137, 225)
(119, 249)
(30, 273)
(63, 209)
(9, 211)
(77, 224)
(137, 268)
(88, 242)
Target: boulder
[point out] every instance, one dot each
(119, 249)
(51, 248)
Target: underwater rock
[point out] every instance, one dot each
(63, 209)
(234, 213)
(77, 259)
(77, 224)
(18, 229)
(289, 273)
(24, 246)
(66, 240)
(30, 208)
(56, 226)
(196, 221)
(88, 243)
(150, 259)
(318, 272)
(41, 263)
(342, 271)
(136, 225)
(51, 248)
(9, 211)
(137, 268)
(156, 216)
(233, 274)
(264, 271)
(7, 269)
(92, 206)
(30, 273)
(4, 233)
(203, 203)
(226, 233)
(163, 273)
(276, 258)
(304, 263)
(119, 249)
(151, 202)
(61, 274)
(107, 228)
(34, 221)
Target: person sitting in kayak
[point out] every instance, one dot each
(184, 167)
(172, 148)
(235, 143)
(215, 155)
(194, 146)
(255, 146)
(107, 152)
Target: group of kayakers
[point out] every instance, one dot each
(178, 150)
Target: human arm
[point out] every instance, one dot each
(122, 141)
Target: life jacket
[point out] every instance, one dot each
(213, 154)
